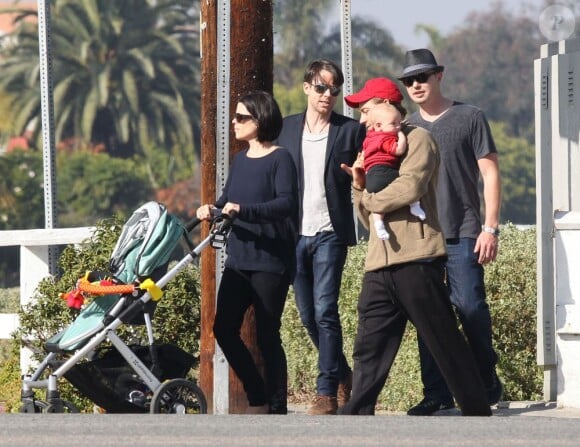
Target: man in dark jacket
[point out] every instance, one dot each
(319, 141)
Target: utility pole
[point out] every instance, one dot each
(236, 57)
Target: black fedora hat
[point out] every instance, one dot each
(419, 61)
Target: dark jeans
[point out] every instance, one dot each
(267, 293)
(467, 294)
(391, 296)
(320, 261)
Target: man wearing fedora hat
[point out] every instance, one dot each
(404, 275)
(467, 151)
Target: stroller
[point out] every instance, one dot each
(120, 378)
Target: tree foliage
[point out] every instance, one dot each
(128, 62)
(374, 50)
(125, 74)
(298, 28)
(517, 170)
(97, 186)
(489, 62)
(89, 187)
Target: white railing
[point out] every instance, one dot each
(34, 245)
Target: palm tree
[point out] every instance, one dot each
(125, 74)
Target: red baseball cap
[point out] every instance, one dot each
(375, 88)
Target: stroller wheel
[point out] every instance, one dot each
(64, 407)
(178, 396)
(33, 406)
(41, 406)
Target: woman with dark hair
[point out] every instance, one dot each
(261, 191)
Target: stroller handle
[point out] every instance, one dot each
(190, 225)
(217, 217)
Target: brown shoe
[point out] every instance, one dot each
(344, 389)
(323, 405)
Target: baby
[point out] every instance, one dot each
(383, 146)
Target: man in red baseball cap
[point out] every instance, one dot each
(382, 88)
(404, 275)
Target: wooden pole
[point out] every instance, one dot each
(251, 52)
(251, 68)
(208, 189)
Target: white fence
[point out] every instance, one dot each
(34, 245)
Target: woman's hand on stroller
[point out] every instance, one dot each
(231, 209)
(205, 212)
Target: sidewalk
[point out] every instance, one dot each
(503, 409)
(546, 409)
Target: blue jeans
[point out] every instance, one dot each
(467, 294)
(320, 261)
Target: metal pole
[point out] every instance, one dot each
(221, 367)
(545, 114)
(346, 52)
(47, 113)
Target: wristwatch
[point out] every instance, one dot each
(491, 230)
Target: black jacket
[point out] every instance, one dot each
(345, 137)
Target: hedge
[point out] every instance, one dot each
(511, 290)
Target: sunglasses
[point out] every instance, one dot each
(321, 88)
(241, 118)
(421, 78)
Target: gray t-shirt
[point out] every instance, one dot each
(463, 136)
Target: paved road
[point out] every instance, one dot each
(545, 426)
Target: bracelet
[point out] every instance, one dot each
(491, 230)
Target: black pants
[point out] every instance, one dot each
(415, 292)
(379, 177)
(267, 293)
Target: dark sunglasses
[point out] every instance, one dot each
(321, 88)
(420, 78)
(241, 118)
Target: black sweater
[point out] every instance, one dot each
(264, 233)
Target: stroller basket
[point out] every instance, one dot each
(112, 384)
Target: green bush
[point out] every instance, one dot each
(511, 293)
(10, 382)
(177, 317)
(511, 290)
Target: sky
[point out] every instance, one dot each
(445, 15)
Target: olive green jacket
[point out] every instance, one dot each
(411, 239)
